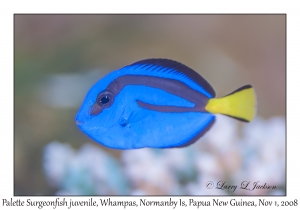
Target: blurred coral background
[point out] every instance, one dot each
(59, 57)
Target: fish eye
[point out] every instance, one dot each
(105, 99)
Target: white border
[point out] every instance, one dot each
(154, 6)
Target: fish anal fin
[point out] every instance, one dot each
(198, 135)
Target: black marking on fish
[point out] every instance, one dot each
(169, 85)
(178, 67)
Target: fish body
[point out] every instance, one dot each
(157, 103)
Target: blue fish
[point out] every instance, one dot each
(157, 103)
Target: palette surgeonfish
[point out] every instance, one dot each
(157, 103)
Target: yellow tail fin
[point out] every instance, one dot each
(240, 104)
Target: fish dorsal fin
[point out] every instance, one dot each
(175, 68)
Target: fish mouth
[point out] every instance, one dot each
(78, 122)
(78, 119)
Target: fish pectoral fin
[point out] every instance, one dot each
(136, 116)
